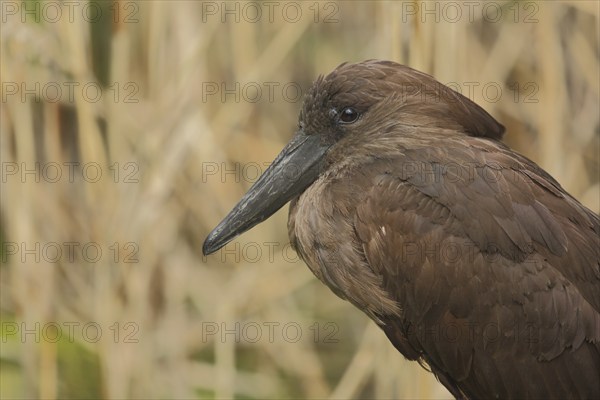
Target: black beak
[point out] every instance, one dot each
(294, 169)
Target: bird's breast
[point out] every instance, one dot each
(321, 228)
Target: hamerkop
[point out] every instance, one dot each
(471, 258)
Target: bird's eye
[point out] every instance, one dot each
(349, 115)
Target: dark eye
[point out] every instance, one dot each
(349, 115)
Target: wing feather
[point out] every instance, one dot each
(497, 279)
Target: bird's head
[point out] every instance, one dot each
(365, 98)
(354, 103)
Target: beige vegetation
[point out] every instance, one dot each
(104, 290)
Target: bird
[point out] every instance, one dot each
(472, 259)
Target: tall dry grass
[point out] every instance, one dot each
(150, 317)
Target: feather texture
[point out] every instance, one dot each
(472, 259)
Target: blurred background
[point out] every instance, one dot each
(130, 128)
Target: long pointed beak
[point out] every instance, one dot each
(294, 169)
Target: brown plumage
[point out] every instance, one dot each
(473, 260)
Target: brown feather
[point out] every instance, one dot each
(471, 258)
